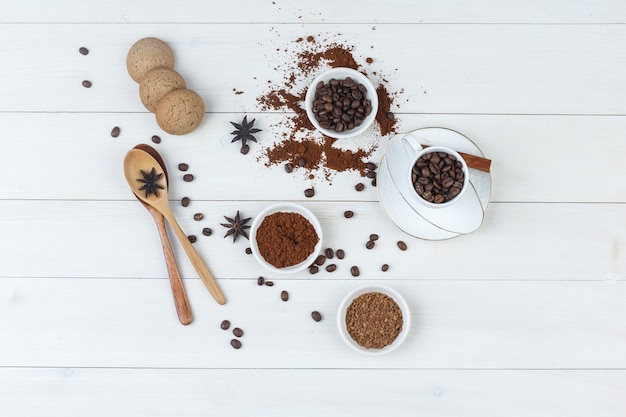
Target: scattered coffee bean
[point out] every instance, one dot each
(340, 253)
(371, 166)
(374, 182)
(183, 166)
(320, 260)
(87, 84)
(237, 332)
(348, 214)
(390, 116)
(284, 295)
(370, 244)
(314, 270)
(260, 281)
(309, 192)
(156, 139)
(269, 283)
(341, 105)
(245, 149)
(235, 343)
(359, 187)
(438, 177)
(370, 174)
(198, 216)
(316, 316)
(385, 268)
(288, 167)
(83, 50)
(248, 251)
(373, 237)
(355, 271)
(330, 253)
(188, 177)
(192, 238)
(225, 324)
(331, 268)
(185, 201)
(402, 245)
(115, 132)
(301, 162)
(207, 231)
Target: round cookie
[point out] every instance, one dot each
(156, 84)
(147, 54)
(180, 112)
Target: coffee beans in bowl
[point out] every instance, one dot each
(373, 319)
(438, 176)
(286, 238)
(341, 103)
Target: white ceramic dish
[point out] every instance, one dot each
(342, 73)
(396, 296)
(406, 212)
(289, 208)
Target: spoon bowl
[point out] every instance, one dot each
(142, 172)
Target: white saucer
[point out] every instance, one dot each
(408, 213)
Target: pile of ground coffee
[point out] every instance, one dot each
(285, 239)
(374, 320)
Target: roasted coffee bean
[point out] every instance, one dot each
(359, 187)
(371, 166)
(314, 270)
(192, 238)
(355, 271)
(237, 332)
(269, 283)
(83, 50)
(340, 253)
(309, 192)
(185, 201)
(248, 251)
(330, 253)
(437, 177)
(245, 149)
(373, 237)
(374, 182)
(341, 105)
(188, 177)
(198, 216)
(385, 268)
(183, 166)
(331, 268)
(316, 316)
(301, 162)
(115, 132)
(370, 244)
(156, 139)
(288, 167)
(390, 116)
(87, 84)
(320, 260)
(348, 214)
(402, 245)
(284, 295)
(225, 324)
(370, 174)
(235, 343)
(260, 281)
(207, 231)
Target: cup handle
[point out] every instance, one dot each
(411, 145)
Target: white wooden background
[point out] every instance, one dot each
(525, 317)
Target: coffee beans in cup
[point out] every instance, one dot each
(341, 104)
(437, 177)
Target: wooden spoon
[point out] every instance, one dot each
(178, 290)
(136, 164)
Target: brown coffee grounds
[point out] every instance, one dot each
(286, 239)
(386, 124)
(374, 320)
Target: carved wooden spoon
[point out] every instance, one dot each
(178, 290)
(140, 170)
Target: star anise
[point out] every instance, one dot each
(149, 181)
(244, 132)
(236, 227)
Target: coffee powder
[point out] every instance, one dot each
(374, 320)
(286, 239)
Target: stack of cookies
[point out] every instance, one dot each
(163, 91)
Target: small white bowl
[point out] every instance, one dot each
(339, 74)
(287, 208)
(345, 303)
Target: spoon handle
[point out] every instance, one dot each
(178, 290)
(194, 257)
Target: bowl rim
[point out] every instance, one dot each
(367, 288)
(336, 73)
(290, 208)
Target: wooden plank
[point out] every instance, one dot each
(497, 69)
(532, 157)
(455, 325)
(516, 242)
(227, 392)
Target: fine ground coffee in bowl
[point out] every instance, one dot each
(286, 238)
